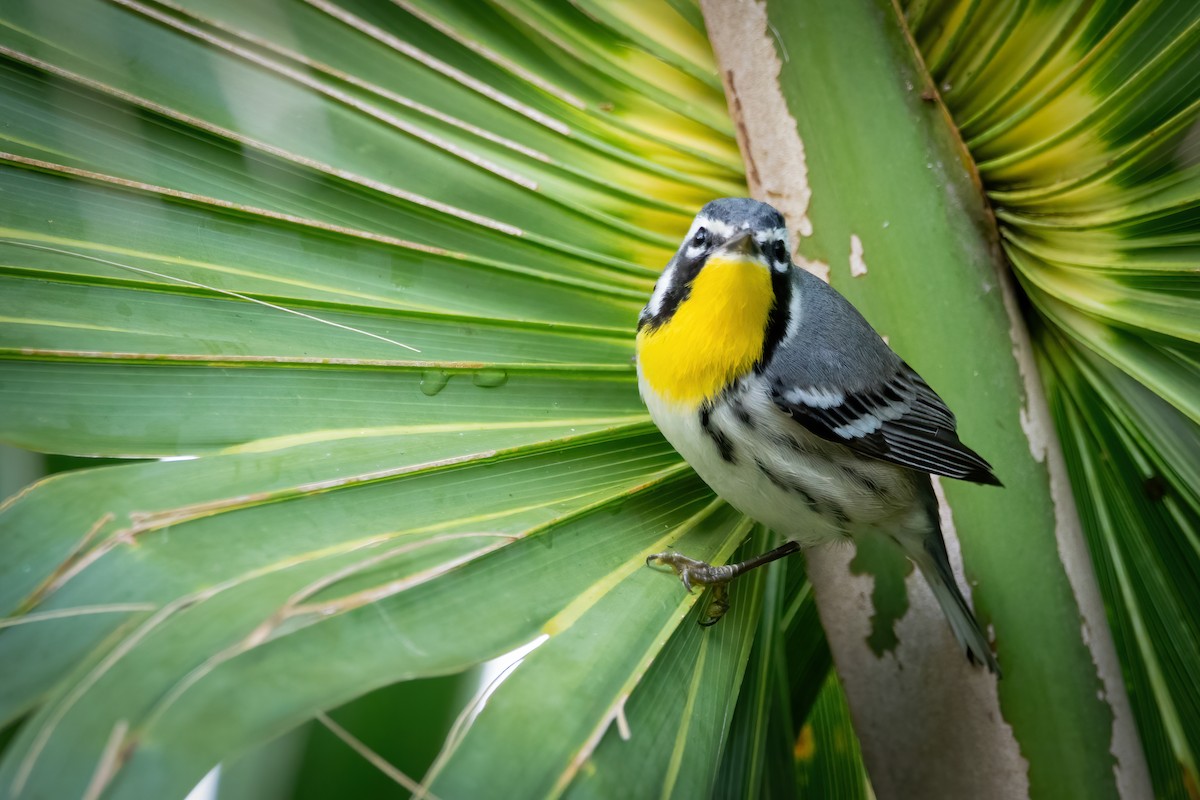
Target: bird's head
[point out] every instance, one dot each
(726, 232)
(720, 304)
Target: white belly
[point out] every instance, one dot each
(770, 468)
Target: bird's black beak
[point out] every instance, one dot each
(743, 244)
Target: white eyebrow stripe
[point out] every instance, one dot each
(716, 226)
(772, 234)
(724, 230)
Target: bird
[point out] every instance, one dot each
(794, 410)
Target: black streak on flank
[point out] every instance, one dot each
(864, 481)
(742, 414)
(796, 445)
(771, 476)
(775, 479)
(724, 446)
(837, 512)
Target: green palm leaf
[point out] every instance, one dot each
(378, 266)
(1089, 155)
(400, 332)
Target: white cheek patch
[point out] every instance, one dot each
(661, 289)
(793, 323)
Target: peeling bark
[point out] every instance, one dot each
(930, 725)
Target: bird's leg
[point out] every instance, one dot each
(698, 573)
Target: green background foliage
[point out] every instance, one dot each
(223, 228)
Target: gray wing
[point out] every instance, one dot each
(833, 374)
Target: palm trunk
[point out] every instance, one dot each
(842, 130)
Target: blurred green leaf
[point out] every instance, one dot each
(1083, 120)
(269, 771)
(380, 266)
(224, 225)
(673, 749)
(403, 724)
(828, 761)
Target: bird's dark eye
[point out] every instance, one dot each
(779, 252)
(701, 238)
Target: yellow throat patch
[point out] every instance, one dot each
(715, 336)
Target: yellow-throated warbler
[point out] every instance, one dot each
(793, 409)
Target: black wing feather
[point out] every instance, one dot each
(835, 376)
(900, 420)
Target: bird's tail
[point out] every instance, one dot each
(935, 566)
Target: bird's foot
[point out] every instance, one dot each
(699, 573)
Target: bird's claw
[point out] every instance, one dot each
(691, 573)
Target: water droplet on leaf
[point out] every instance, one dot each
(490, 378)
(433, 381)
